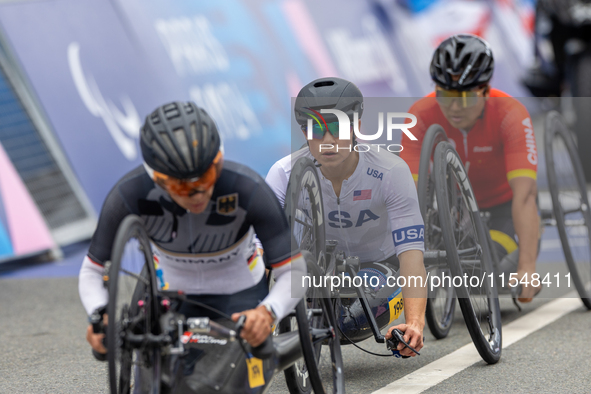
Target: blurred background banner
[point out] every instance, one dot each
(237, 59)
(91, 80)
(96, 68)
(23, 231)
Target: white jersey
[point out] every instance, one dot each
(377, 213)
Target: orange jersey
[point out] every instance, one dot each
(499, 147)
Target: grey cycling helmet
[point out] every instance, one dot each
(179, 140)
(465, 56)
(328, 93)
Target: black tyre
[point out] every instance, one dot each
(468, 252)
(317, 327)
(570, 202)
(304, 208)
(132, 309)
(580, 79)
(426, 184)
(441, 301)
(305, 211)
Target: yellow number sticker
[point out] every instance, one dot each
(255, 372)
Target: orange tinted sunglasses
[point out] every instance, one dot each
(188, 187)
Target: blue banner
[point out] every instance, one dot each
(99, 67)
(92, 80)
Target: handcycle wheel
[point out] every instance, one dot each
(305, 212)
(132, 310)
(441, 301)
(316, 323)
(304, 208)
(570, 202)
(468, 252)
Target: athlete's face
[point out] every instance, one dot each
(196, 201)
(462, 112)
(330, 151)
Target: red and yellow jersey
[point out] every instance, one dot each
(499, 147)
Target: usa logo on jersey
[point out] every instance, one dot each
(409, 234)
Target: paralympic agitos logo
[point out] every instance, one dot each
(317, 126)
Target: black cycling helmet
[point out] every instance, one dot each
(464, 55)
(328, 93)
(179, 140)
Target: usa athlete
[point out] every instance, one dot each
(370, 201)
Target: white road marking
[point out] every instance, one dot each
(447, 366)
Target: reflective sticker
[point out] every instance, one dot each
(255, 372)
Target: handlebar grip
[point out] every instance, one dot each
(264, 350)
(98, 327)
(96, 320)
(397, 338)
(392, 346)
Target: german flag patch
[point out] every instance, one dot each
(227, 205)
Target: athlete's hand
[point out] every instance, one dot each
(96, 340)
(257, 326)
(413, 335)
(527, 292)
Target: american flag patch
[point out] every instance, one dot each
(362, 195)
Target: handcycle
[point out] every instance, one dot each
(362, 312)
(570, 202)
(152, 348)
(433, 186)
(569, 214)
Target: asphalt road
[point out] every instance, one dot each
(43, 348)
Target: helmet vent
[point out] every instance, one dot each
(171, 112)
(158, 152)
(173, 155)
(183, 144)
(155, 118)
(204, 132)
(323, 83)
(464, 64)
(448, 59)
(459, 48)
(479, 61)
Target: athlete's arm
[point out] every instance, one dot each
(90, 279)
(90, 286)
(93, 295)
(270, 224)
(408, 237)
(415, 301)
(521, 160)
(277, 180)
(527, 223)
